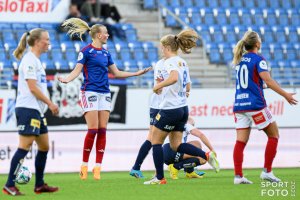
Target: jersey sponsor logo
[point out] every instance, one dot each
(177, 157)
(80, 56)
(245, 59)
(108, 99)
(92, 98)
(263, 65)
(259, 118)
(157, 117)
(35, 123)
(21, 127)
(168, 127)
(30, 69)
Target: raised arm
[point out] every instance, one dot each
(121, 74)
(274, 86)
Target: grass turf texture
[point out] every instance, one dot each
(119, 185)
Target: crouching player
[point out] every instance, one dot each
(177, 161)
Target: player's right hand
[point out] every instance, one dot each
(54, 108)
(62, 80)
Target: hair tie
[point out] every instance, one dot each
(175, 37)
(28, 33)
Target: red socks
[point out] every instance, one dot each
(88, 144)
(238, 156)
(270, 152)
(100, 144)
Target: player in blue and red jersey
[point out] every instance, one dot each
(250, 104)
(95, 63)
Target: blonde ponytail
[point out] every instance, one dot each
(76, 26)
(19, 51)
(238, 52)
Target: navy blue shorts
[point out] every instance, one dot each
(171, 156)
(172, 120)
(30, 122)
(153, 113)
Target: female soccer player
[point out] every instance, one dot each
(173, 112)
(177, 161)
(159, 75)
(31, 104)
(250, 104)
(95, 63)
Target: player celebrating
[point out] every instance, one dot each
(177, 161)
(173, 112)
(31, 104)
(250, 104)
(159, 75)
(95, 63)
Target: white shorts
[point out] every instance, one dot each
(95, 101)
(261, 119)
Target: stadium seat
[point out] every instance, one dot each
(214, 55)
(149, 4)
(233, 16)
(221, 17)
(138, 54)
(18, 26)
(56, 54)
(8, 35)
(187, 3)
(71, 55)
(196, 19)
(280, 36)
(152, 54)
(208, 16)
(258, 17)
(213, 3)
(125, 54)
(200, 4)
(282, 17)
(271, 17)
(295, 19)
(225, 4)
(249, 3)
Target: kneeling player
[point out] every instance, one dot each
(177, 161)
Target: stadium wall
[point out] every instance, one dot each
(123, 145)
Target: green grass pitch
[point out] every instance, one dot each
(119, 185)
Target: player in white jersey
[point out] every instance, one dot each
(250, 105)
(177, 161)
(173, 112)
(160, 74)
(32, 102)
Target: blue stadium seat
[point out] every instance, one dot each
(125, 54)
(48, 64)
(119, 64)
(71, 55)
(227, 55)
(171, 22)
(130, 65)
(286, 4)
(214, 55)
(278, 54)
(291, 54)
(225, 4)
(288, 73)
(262, 4)
(5, 26)
(295, 19)
(132, 81)
(271, 17)
(293, 36)
(19, 33)
(218, 36)
(18, 26)
(258, 18)
(56, 54)
(221, 18)
(139, 54)
(30, 26)
(295, 64)
(280, 36)
(200, 3)
(283, 17)
(135, 45)
(8, 35)
(131, 35)
(114, 54)
(213, 3)
(295, 3)
(268, 36)
(274, 3)
(230, 35)
(64, 37)
(276, 73)
(149, 4)
(2, 55)
(249, 3)
(152, 54)
(233, 16)
(267, 55)
(246, 17)
(61, 64)
(208, 16)
(196, 19)
(10, 44)
(187, 3)
(49, 26)
(174, 3)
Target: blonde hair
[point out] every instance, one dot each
(78, 26)
(247, 43)
(27, 38)
(185, 41)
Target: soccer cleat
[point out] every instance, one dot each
(193, 175)
(173, 171)
(96, 172)
(155, 181)
(136, 173)
(269, 176)
(14, 191)
(241, 180)
(83, 172)
(45, 188)
(212, 160)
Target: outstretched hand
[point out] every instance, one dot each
(289, 97)
(143, 71)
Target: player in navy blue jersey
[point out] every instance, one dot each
(95, 63)
(250, 104)
(31, 104)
